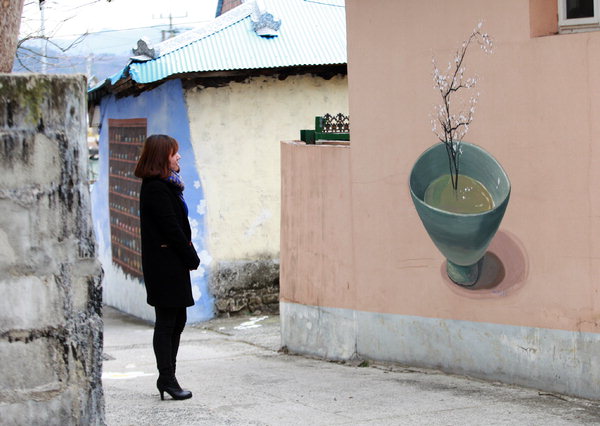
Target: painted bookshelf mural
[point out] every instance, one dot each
(126, 138)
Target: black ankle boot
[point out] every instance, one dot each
(169, 385)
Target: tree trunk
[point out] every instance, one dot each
(10, 21)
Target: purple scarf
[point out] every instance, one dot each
(175, 180)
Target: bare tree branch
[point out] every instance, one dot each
(47, 37)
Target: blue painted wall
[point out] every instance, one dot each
(166, 113)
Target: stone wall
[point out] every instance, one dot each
(50, 309)
(246, 287)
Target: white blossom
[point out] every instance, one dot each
(453, 127)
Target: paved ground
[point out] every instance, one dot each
(238, 377)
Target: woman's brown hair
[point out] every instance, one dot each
(154, 161)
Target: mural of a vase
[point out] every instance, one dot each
(463, 238)
(459, 190)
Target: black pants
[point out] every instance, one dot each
(167, 331)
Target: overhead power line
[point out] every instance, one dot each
(132, 28)
(325, 3)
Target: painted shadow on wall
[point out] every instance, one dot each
(505, 269)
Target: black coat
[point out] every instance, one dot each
(167, 251)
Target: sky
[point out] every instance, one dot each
(67, 19)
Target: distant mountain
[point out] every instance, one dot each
(96, 67)
(116, 42)
(99, 55)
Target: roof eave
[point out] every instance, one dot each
(129, 87)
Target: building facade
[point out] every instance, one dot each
(227, 92)
(374, 285)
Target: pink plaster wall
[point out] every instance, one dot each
(539, 115)
(316, 244)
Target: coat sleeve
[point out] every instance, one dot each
(158, 202)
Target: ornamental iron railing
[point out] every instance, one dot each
(328, 129)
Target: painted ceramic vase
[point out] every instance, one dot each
(462, 238)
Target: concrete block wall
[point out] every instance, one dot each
(50, 292)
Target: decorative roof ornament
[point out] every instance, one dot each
(144, 52)
(266, 25)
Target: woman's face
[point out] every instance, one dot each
(174, 161)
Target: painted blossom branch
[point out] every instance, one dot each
(454, 126)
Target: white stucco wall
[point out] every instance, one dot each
(236, 132)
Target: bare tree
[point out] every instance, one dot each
(38, 46)
(10, 22)
(25, 55)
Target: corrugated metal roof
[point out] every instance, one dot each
(312, 32)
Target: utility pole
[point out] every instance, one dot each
(171, 32)
(89, 64)
(44, 41)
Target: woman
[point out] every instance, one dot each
(167, 253)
